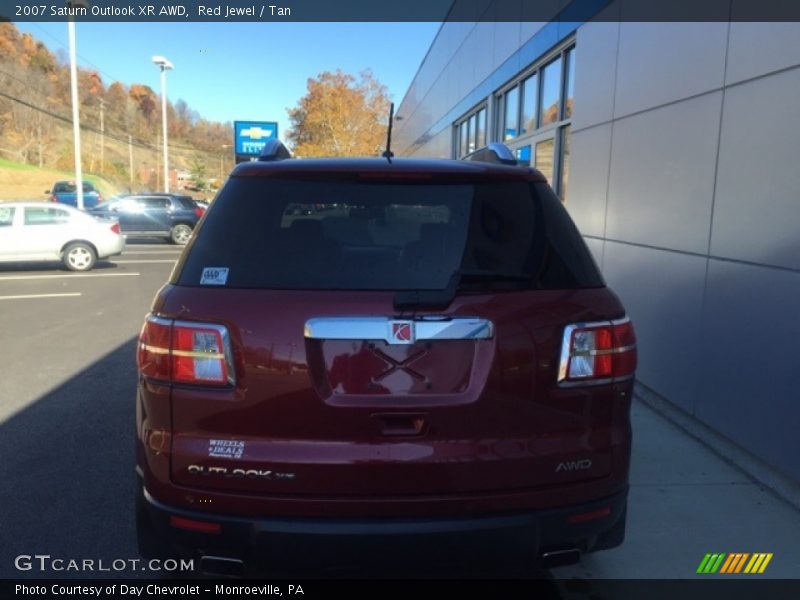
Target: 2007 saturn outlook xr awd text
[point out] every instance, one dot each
(358, 361)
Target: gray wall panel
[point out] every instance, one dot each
(595, 71)
(662, 175)
(529, 28)
(758, 48)
(482, 43)
(506, 41)
(439, 146)
(750, 362)
(589, 151)
(662, 292)
(664, 62)
(757, 204)
(695, 170)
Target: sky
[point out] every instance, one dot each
(244, 71)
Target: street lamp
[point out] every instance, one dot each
(221, 156)
(165, 66)
(76, 123)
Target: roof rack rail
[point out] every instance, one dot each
(493, 153)
(274, 150)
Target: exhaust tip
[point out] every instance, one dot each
(560, 558)
(221, 566)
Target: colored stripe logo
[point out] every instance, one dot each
(737, 562)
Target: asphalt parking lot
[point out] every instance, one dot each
(67, 348)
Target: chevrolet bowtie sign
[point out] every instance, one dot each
(250, 137)
(256, 133)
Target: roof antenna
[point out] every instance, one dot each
(388, 154)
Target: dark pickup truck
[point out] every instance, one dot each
(66, 192)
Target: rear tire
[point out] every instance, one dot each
(79, 256)
(180, 234)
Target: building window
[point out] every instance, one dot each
(469, 132)
(523, 155)
(510, 113)
(569, 58)
(551, 93)
(530, 103)
(563, 178)
(543, 158)
(534, 113)
(473, 133)
(481, 130)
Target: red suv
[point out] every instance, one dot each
(363, 358)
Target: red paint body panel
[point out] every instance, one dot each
(479, 427)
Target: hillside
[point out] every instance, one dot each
(120, 125)
(27, 182)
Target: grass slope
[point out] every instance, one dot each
(19, 181)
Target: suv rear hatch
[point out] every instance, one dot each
(385, 338)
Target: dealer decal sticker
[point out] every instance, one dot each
(225, 448)
(214, 276)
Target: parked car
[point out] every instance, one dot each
(426, 366)
(33, 231)
(66, 192)
(154, 215)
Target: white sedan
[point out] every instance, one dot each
(34, 231)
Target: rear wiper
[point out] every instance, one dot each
(414, 298)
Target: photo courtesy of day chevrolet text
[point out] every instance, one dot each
(117, 590)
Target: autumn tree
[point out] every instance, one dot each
(340, 116)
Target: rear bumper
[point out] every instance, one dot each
(322, 544)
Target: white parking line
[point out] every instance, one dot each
(67, 276)
(126, 252)
(26, 296)
(146, 260)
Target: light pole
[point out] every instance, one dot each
(76, 123)
(221, 156)
(165, 66)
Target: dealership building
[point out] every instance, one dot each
(676, 149)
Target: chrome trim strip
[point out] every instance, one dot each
(588, 382)
(158, 320)
(380, 328)
(619, 350)
(193, 354)
(154, 349)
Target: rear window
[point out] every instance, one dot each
(186, 202)
(71, 188)
(340, 235)
(6, 216)
(154, 203)
(45, 216)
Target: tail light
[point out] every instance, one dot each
(198, 212)
(115, 228)
(53, 198)
(185, 352)
(595, 353)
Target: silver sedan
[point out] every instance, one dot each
(35, 231)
